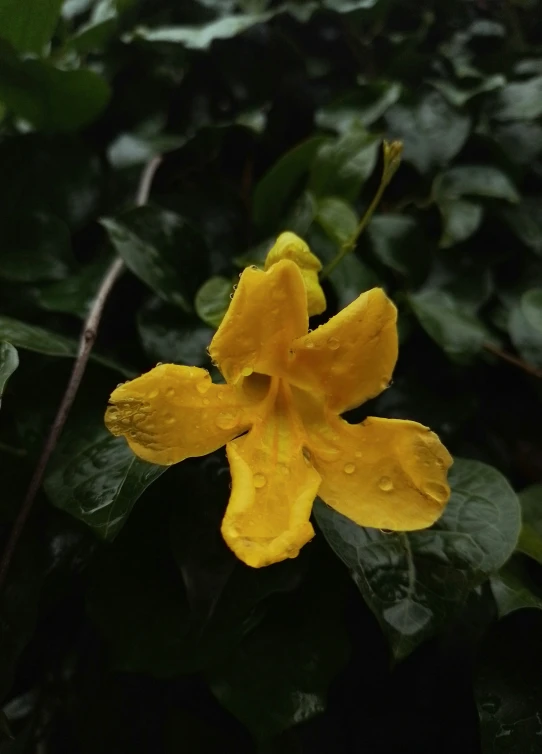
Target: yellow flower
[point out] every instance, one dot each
(279, 415)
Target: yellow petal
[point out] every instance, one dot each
(290, 246)
(383, 473)
(351, 358)
(175, 412)
(273, 487)
(268, 311)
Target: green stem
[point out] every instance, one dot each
(392, 158)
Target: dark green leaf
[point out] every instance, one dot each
(513, 589)
(459, 96)
(416, 582)
(525, 220)
(280, 674)
(530, 539)
(397, 243)
(531, 307)
(521, 100)
(460, 219)
(28, 24)
(277, 186)
(507, 687)
(432, 131)
(458, 332)
(474, 180)
(338, 219)
(526, 338)
(170, 337)
(213, 299)
(97, 479)
(342, 166)
(365, 105)
(48, 97)
(75, 294)
(161, 249)
(9, 361)
(35, 247)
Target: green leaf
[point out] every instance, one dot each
(33, 338)
(29, 24)
(35, 247)
(397, 243)
(342, 165)
(416, 582)
(213, 299)
(97, 479)
(50, 98)
(338, 219)
(280, 674)
(526, 338)
(474, 180)
(460, 219)
(513, 589)
(525, 220)
(531, 307)
(432, 131)
(9, 361)
(364, 105)
(170, 337)
(530, 539)
(521, 100)
(274, 191)
(507, 687)
(162, 249)
(459, 96)
(458, 332)
(75, 294)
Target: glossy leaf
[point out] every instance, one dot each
(75, 294)
(28, 24)
(338, 220)
(213, 299)
(513, 589)
(170, 337)
(531, 307)
(162, 249)
(525, 220)
(432, 131)
(342, 166)
(365, 105)
(474, 180)
(530, 539)
(279, 184)
(416, 582)
(396, 242)
(459, 333)
(9, 361)
(521, 100)
(98, 480)
(48, 97)
(526, 338)
(36, 247)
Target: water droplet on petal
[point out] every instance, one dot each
(259, 481)
(358, 454)
(169, 419)
(349, 468)
(204, 384)
(205, 401)
(159, 363)
(437, 491)
(309, 344)
(152, 394)
(385, 484)
(247, 371)
(227, 419)
(333, 344)
(170, 392)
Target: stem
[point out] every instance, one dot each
(529, 368)
(86, 342)
(392, 159)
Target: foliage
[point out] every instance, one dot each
(126, 623)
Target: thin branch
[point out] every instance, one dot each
(86, 343)
(529, 368)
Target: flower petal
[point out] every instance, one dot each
(351, 358)
(383, 473)
(268, 311)
(273, 487)
(290, 246)
(175, 412)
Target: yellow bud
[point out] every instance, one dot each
(290, 246)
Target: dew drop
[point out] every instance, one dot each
(385, 484)
(247, 371)
(203, 385)
(159, 363)
(120, 384)
(349, 468)
(126, 422)
(259, 481)
(309, 344)
(358, 454)
(231, 296)
(333, 344)
(437, 491)
(152, 394)
(170, 392)
(227, 419)
(205, 401)
(169, 419)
